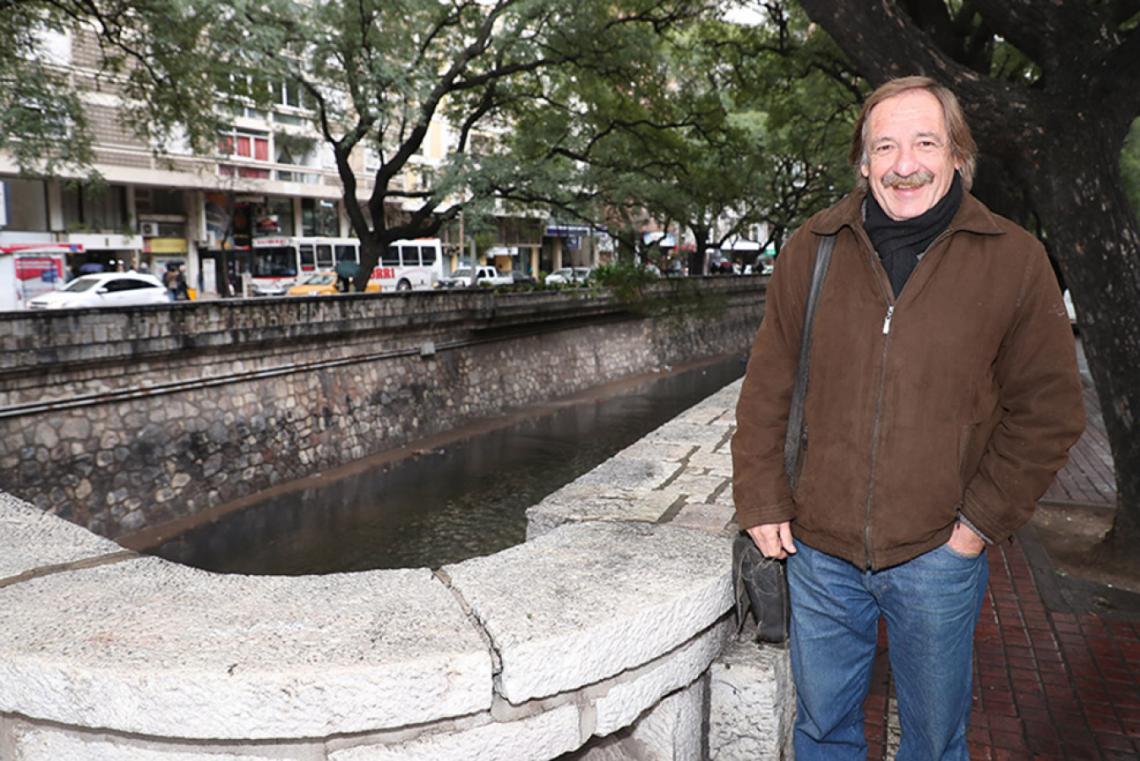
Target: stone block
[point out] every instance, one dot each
(639, 691)
(587, 601)
(673, 730)
(31, 538)
(751, 703)
(578, 502)
(702, 488)
(535, 738)
(628, 473)
(29, 742)
(150, 647)
(691, 434)
(714, 519)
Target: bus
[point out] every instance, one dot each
(406, 265)
(409, 264)
(273, 261)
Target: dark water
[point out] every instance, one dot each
(452, 504)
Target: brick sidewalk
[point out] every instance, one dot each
(1049, 685)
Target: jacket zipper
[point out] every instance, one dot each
(876, 268)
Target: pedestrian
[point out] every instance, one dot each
(942, 397)
(181, 288)
(170, 280)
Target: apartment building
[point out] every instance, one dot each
(271, 175)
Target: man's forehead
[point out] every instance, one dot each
(914, 112)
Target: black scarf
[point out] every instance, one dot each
(899, 242)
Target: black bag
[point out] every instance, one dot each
(760, 583)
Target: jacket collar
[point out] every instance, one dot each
(972, 216)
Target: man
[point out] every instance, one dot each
(943, 397)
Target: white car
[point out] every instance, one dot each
(569, 275)
(461, 278)
(106, 289)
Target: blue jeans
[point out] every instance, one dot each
(931, 606)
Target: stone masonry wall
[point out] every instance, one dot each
(124, 420)
(601, 638)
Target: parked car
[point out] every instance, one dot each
(316, 284)
(268, 288)
(521, 278)
(105, 289)
(568, 275)
(461, 278)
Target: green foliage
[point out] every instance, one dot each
(628, 282)
(42, 123)
(1130, 166)
(717, 127)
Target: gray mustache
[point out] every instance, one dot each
(915, 179)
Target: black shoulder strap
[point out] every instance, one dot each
(799, 390)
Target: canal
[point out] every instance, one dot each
(444, 504)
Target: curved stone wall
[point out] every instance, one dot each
(602, 625)
(126, 420)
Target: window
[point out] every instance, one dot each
(346, 254)
(319, 217)
(27, 205)
(427, 254)
(290, 94)
(127, 284)
(246, 172)
(246, 144)
(158, 201)
(324, 256)
(410, 255)
(280, 210)
(308, 260)
(102, 208)
(273, 262)
(391, 257)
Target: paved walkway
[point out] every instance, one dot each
(1049, 684)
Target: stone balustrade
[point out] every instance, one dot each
(596, 637)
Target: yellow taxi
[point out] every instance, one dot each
(316, 284)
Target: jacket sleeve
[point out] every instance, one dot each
(1041, 407)
(760, 488)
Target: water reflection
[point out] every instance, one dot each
(452, 504)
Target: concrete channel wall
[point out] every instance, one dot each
(607, 635)
(123, 420)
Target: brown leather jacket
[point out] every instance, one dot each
(963, 395)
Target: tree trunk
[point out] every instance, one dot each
(1094, 236)
(1059, 142)
(370, 250)
(698, 260)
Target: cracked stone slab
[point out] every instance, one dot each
(589, 600)
(701, 488)
(31, 538)
(715, 518)
(577, 502)
(751, 703)
(50, 743)
(624, 702)
(160, 649)
(691, 434)
(716, 463)
(657, 450)
(628, 473)
(536, 738)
